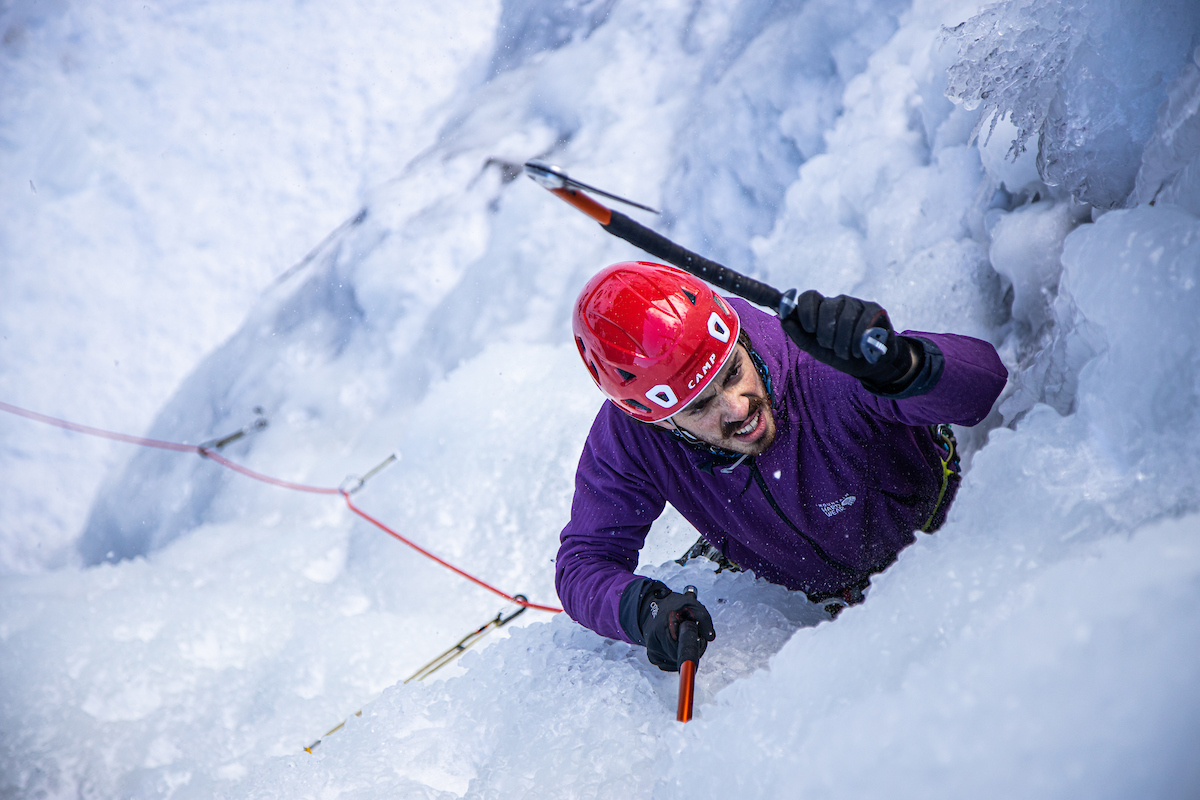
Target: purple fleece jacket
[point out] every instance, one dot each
(854, 473)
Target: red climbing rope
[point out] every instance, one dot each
(208, 452)
(447, 565)
(120, 437)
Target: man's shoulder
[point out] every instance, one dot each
(751, 315)
(620, 444)
(613, 427)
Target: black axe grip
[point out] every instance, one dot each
(689, 642)
(660, 246)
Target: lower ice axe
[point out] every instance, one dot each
(874, 343)
(689, 659)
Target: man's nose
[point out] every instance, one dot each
(734, 406)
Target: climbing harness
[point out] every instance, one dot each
(943, 437)
(835, 602)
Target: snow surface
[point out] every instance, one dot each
(311, 211)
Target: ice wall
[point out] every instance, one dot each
(1170, 171)
(762, 104)
(1084, 77)
(454, 255)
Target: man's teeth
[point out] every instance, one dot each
(751, 425)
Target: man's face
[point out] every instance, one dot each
(733, 412)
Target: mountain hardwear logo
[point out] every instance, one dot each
(837, 507)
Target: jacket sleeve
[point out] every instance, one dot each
(612, 510)
(960, 379)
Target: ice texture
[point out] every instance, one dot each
(1170, 171)
(1043, 644)
(1081, 77)
(529, 28)
(776, 83)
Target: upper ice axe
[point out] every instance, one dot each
(874, 342)
(552, 178)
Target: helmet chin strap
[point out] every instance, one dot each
(684, 432)
(735, 464)
(693, 439)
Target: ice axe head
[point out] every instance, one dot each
(546, 175)
(557, 180)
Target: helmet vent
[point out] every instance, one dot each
(595, 372)
(627, 376)
(638, 406)
(691, 297)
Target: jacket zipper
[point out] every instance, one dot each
(820, 551)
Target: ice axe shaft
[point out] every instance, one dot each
(687, 672)
(689, 659)
(719, 275)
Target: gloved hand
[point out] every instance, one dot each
(659, 615)
(830, 329)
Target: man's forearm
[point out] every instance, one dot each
(959, 382)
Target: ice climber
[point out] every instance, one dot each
(791, 454)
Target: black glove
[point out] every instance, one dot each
(830, 329)
(659, 615)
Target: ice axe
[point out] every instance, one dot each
(689, 659)
(874, 342)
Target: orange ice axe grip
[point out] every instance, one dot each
(587, 205)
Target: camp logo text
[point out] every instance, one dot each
(708, 365)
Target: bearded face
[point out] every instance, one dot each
(733, 412)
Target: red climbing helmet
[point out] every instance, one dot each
(652, 336)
